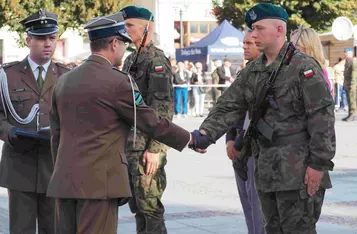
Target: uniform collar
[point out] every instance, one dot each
(34, 65)
(259, 63)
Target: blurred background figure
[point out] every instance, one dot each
(350, 85)
(215, 80)
(191, 101)
(199, 93)
(340, 94)
(226, 74)
(181, 77)
(310, 43)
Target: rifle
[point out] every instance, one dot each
(142, 44)
(265, 98)
(130, 67)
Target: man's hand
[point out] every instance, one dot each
(231, 151)
(313, 180)
(199, 141)
(151, 162)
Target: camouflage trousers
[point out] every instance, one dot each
(291, 212)
(351, 100)
(147, 191)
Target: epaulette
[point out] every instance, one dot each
(63, 66)
(7, 65)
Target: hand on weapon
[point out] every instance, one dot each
(199, 141)
(231, 151)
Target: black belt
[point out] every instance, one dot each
(300, 138)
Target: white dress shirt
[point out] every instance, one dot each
(35, 69)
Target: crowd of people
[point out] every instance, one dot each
(192, 84)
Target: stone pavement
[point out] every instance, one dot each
(201, 196)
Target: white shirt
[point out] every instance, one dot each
(227, 72)
(35, 69)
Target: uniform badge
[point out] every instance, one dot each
(252, 15)
(138, 98)
(309, 73)
(159, 68)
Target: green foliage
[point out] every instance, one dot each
(318, 14)
(71, 13)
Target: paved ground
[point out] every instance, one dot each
(201, 197)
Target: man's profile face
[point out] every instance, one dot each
(251, 51)
(135, 28)
(264, 34)
(42, 48)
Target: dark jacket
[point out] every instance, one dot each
(91, 115)
(179, 81)
(27, 170)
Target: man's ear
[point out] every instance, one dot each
(28, 40)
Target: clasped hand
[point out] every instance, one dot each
(200, 141)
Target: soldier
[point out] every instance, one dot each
(152, 73)
(350, 85)
(26, 163)
(246, 189)
(92, 110)
(291, 173)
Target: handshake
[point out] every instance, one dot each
(199, 141)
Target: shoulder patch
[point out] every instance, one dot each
(7, 65)
(138, 98)
(308, 73)
(63, 66)
(159, 68)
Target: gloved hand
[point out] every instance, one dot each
(200, 141)
(18, 143)
(239, 141)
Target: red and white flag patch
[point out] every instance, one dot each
(159, 68)
(308, 73)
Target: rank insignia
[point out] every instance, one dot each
(308, 73)
(138, 99)
(159, 68)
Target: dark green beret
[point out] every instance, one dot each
(137, 13)
(265, 11)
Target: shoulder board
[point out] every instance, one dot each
(7, 65)
(63, 66)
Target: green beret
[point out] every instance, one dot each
(265, 11)
(137, 13)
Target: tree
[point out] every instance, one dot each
(71, 13)
(317, 14)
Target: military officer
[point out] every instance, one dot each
(26, 164)
(291, 171)
(147, 159)
(93, 108)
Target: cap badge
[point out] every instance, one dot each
(252, 15)
(42, 14)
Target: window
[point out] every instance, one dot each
(212, 27)
(203, 28)
(193, 28)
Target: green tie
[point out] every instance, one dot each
(40, 80)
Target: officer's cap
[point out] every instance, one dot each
(41, 23)
(107, 26)
(265, 11)
(137, 13)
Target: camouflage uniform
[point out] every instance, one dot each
(350, 85)
(153, 75)
(304, 136)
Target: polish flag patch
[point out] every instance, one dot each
(308, 73)
(159, 68)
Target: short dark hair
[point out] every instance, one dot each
(101, 44)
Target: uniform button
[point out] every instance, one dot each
(41, 100)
